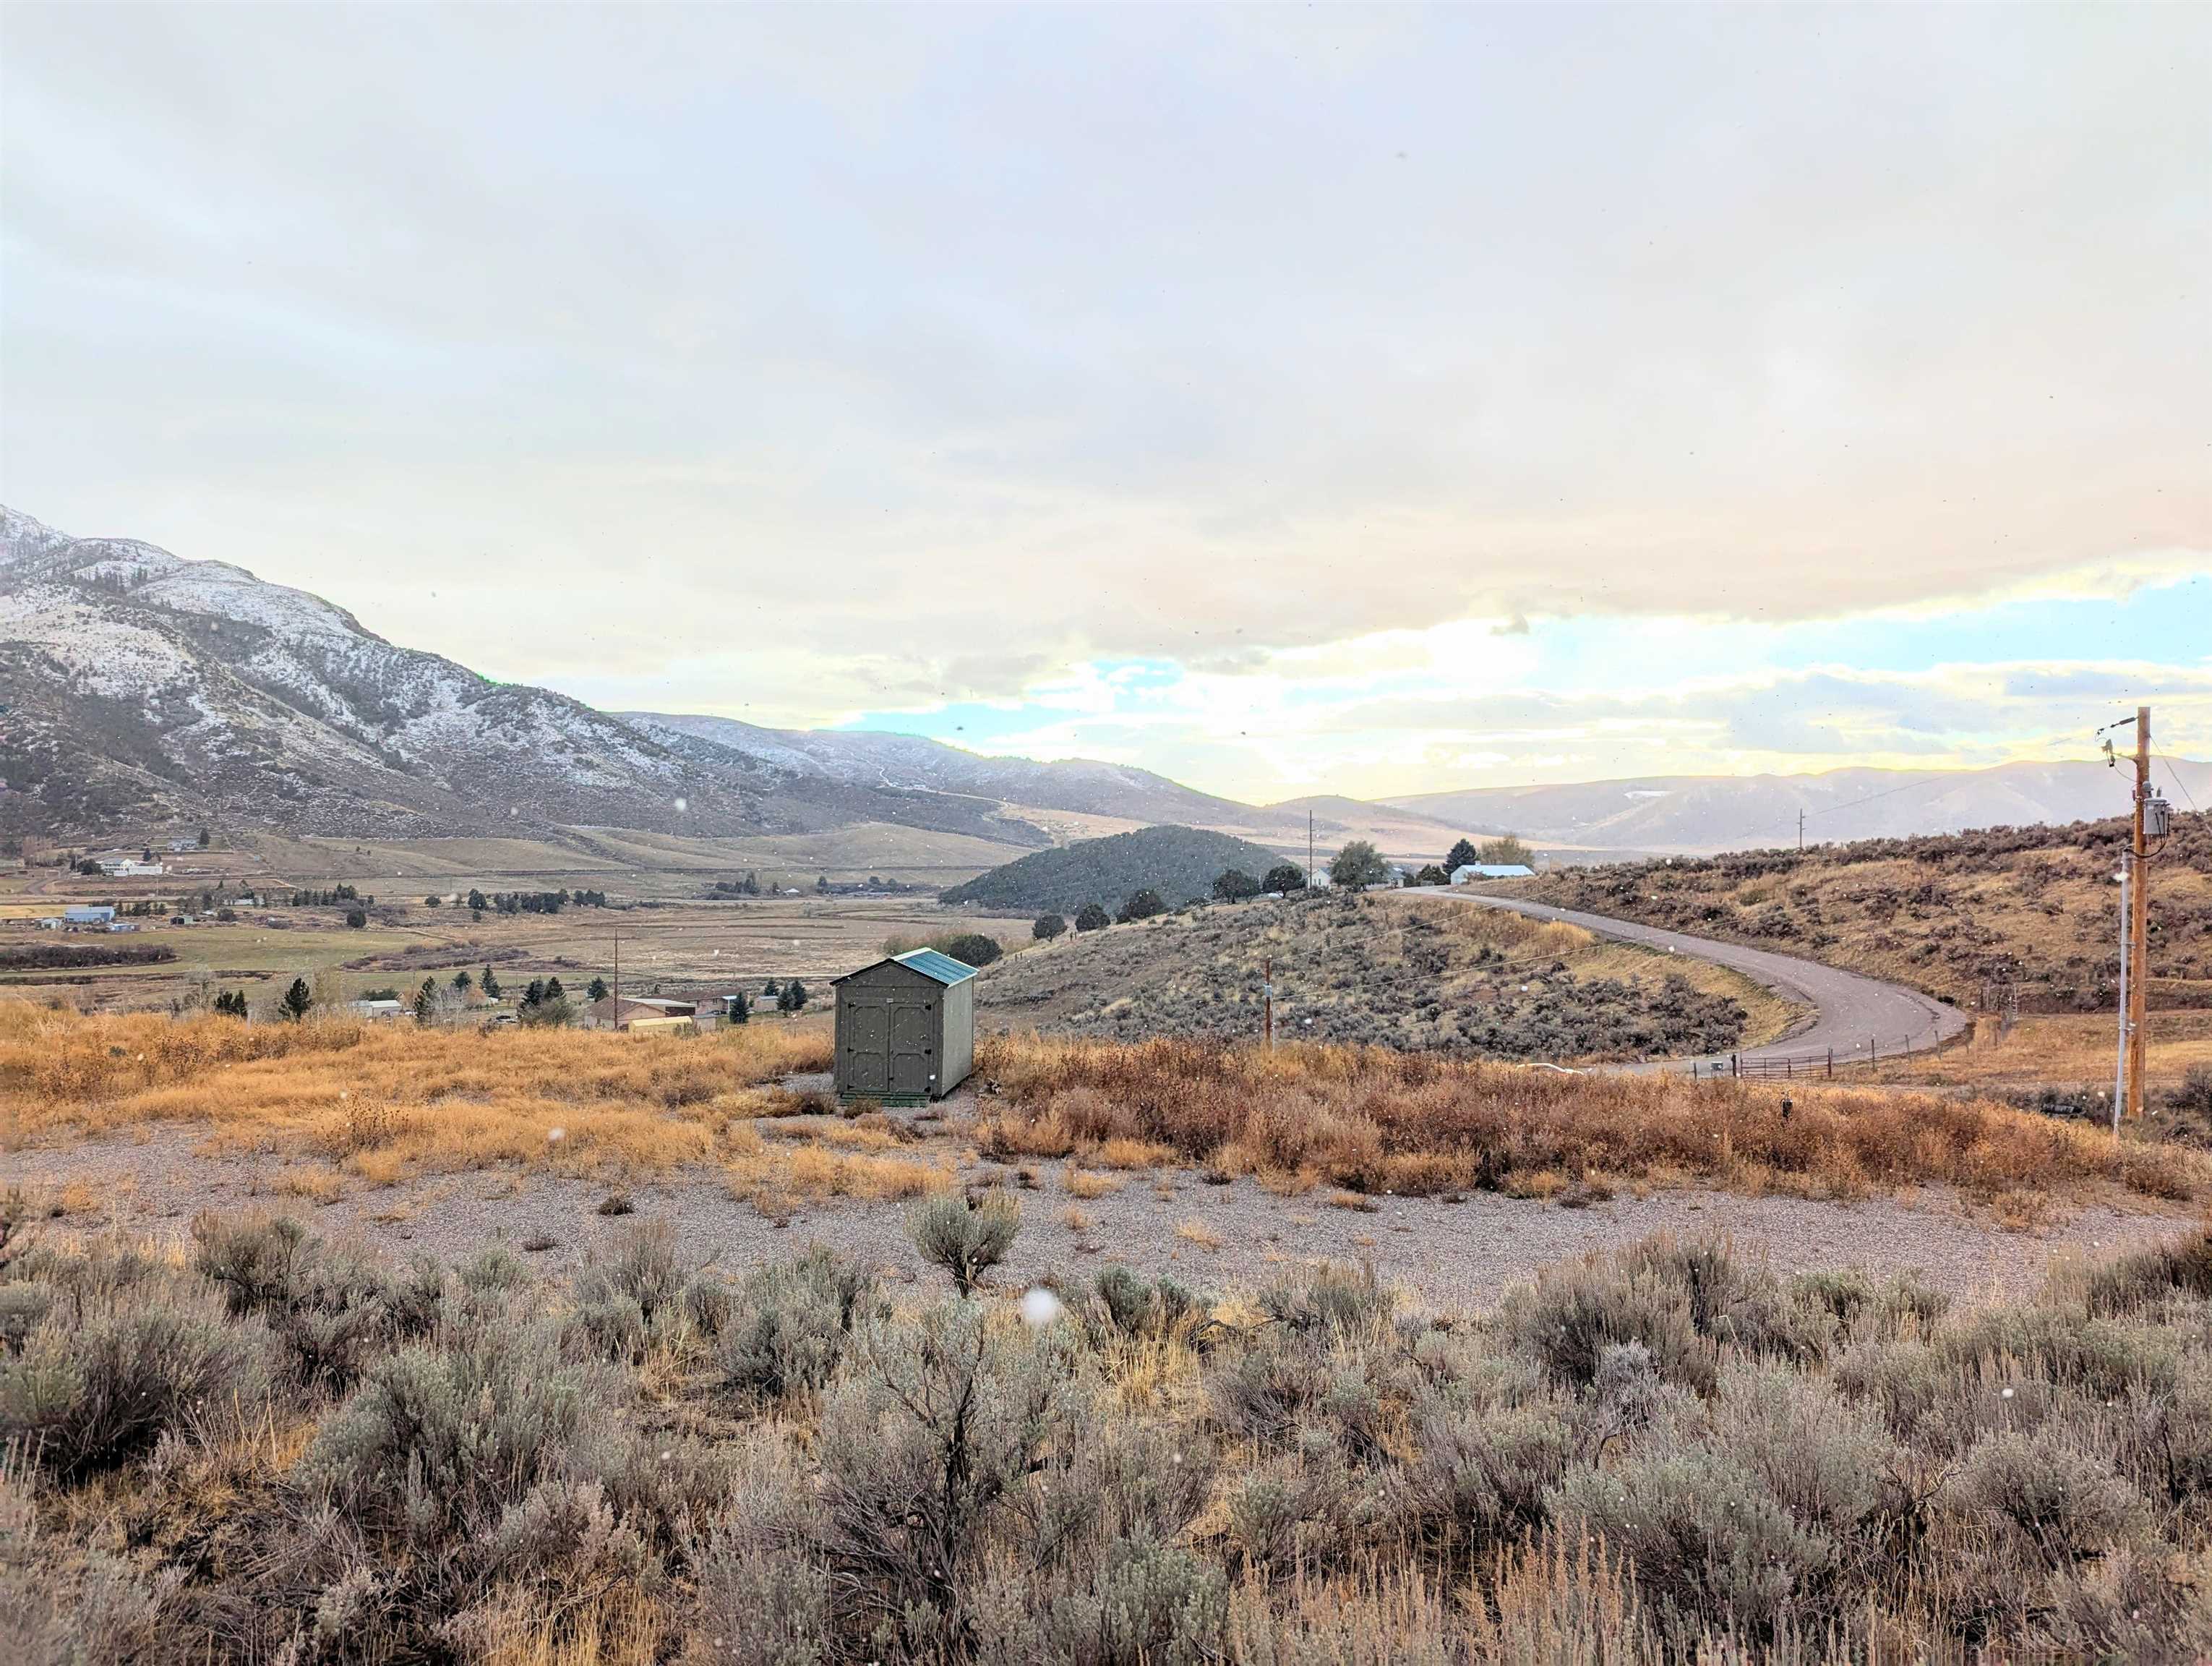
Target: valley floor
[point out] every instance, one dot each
(1449, 1256)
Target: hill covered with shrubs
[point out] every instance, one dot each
(1397, 971)
(1179, 863)
(2025, 913)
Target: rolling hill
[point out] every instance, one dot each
(1692, 814)
(1178, 862)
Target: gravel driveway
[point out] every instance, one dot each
(1451, 1256)
(1853, 1015)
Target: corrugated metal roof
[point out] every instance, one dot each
(928, 962)
(942, 967)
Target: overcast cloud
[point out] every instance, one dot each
(1183, 385)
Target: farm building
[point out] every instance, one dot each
(87, 914)
(635, 1010)
(1472, 870)
(905, 1027)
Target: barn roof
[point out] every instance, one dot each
(942, 968)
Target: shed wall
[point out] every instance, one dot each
(957, 1046)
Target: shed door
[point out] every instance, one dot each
(914, 1046)
(867, 1033)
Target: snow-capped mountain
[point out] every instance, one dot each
(139, 685)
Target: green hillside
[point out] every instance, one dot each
(1178, 862)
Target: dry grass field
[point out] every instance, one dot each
(1404, 971)
(274, 1446)
(370, 1105)
(2033, 911)
(1372, 1120)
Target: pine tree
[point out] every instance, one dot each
(425, 999)
(463, 983)
(598, 989)
(298, 1000)
(741, 1009)
(1463, 854)
(491, 985)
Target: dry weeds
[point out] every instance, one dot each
(1371, 1121)
(382, 1102)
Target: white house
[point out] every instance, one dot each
(129, 867)
(1472, 870)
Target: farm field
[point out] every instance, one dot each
(677, 948)
(1401, 971)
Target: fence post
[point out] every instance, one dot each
(1735, 1066)
(1832, 1061)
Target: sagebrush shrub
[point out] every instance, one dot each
(788, 1323)
(97, 1380)
(965, 1237)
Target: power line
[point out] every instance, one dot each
(1888, 791)
(2178, 781)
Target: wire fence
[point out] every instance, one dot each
(1821, 1064)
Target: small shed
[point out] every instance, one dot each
(906, 1028)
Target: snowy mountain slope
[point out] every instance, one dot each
(136, 684)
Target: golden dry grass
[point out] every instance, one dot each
(2062, 1050)
(382, 1102)
(1370, 1119)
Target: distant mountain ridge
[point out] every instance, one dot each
(1692, 814)
(911, 763)
(138, 688)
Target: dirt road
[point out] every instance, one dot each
(1855, 1018)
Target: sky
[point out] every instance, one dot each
(1369, 400)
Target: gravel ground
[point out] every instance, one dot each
(1453, 1257)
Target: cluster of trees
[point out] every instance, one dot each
(545, 1002)
(749, 885)
(1504, 851)
(534, 902)
(1358, 865)
(231, 1003)
(790, 996)
(972, 948)
(1237, 886)
(310, 899)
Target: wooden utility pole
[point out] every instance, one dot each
(1800, 832)
(617, 1017)
(1267, 987)
(2139, 919)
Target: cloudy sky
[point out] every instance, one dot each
(1357, 399)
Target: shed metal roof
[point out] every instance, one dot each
(930, 963)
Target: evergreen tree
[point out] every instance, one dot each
(425, 1002)
(1235, 886)
(794, 997)
(598, 989)
(203, 838)
(298, 1000)
(489, 985)
(741, 1009)
(1091, 918)
(1463, 854)
(535, 993)
(768, 987)
(1047, 927)
(1143, 904)
(463, 983)
(554, 991)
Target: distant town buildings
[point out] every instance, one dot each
(1472, 871)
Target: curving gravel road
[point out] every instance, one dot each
(1854, 1017)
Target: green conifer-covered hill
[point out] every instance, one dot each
(1180, 863)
